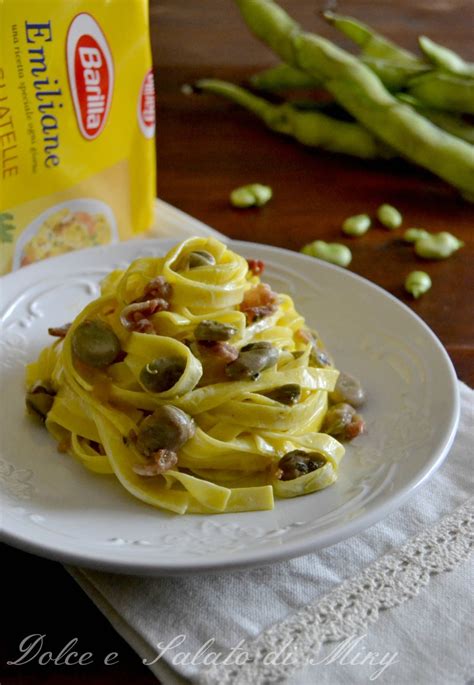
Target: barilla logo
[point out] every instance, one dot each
(146, 106)
(91, 74)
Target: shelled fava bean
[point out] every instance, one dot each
(335, 253)
(389, 216)
(417, 283)
(356, 225)
(252, 195)
(411, 235)
(437, 246)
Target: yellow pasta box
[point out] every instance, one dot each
(77, 124)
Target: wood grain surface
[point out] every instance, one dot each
(206, 147)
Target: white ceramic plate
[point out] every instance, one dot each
(53, 507)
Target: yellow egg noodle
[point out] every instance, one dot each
(239, 432)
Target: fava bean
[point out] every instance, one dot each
(252, 359)
(161, 374)
(95, 344)
(298, 463)
(356, 225)
(319, 358)
(417, 283)
(389, 216)
(200, 258)
(286, 394)
(348, 390)
(338, 418)
(335, 253)
(214, 331)
(167, 428)
(252, 195)
(411, 235)
(438, 246)
(318, 355)
(342, 420)
(39, 399)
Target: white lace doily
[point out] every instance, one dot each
(353, 606)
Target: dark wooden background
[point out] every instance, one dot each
(205, 148)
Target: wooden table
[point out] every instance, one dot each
(206, 147)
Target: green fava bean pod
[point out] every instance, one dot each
(444, 91)
(252, 195)
(445, 59)
(308, 127)
(438, 246)
(282, 77)
(394, 75)
(394, 65)
(453, 122)
(417, 283)
(357, 89)
(356, 225)
(389, 216)
(373, 44)
(335, 253)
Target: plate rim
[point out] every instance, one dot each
(96, 559)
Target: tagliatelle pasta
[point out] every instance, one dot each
(193, 383)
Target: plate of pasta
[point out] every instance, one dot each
(194, 406)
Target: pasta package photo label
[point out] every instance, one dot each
(77, 111)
